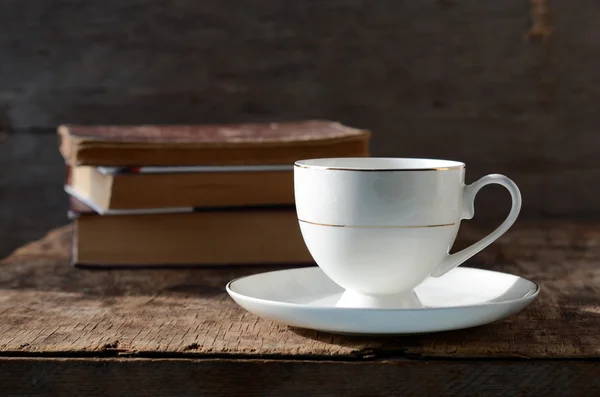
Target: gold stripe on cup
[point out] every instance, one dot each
(383, 226)
(321, 167)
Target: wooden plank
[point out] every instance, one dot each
(396, 69)
(393, 65)
(142, 377)
(48, 307)
(222, 60)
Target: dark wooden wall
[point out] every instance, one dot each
(507, 86)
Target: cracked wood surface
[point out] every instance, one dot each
(49, 308)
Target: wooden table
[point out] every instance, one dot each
(176, 332)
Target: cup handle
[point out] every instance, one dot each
(470, 192)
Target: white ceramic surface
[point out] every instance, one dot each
(379, 227)
(307, 298)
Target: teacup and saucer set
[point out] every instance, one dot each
(380, 231)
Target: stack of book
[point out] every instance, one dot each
(192, 195)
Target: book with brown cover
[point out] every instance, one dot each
(219, 144)
(261, 236)
(122, 189)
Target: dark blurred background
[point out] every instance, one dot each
(509, 86)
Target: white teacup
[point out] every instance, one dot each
(379, 227)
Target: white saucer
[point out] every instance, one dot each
(306, 298)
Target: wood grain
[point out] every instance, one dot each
(183, 62)
(49, 308)
(264, 378)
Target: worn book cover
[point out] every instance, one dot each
(220, 144)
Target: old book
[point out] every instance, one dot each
(202, 238)
(231, 144)
(114, 188)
